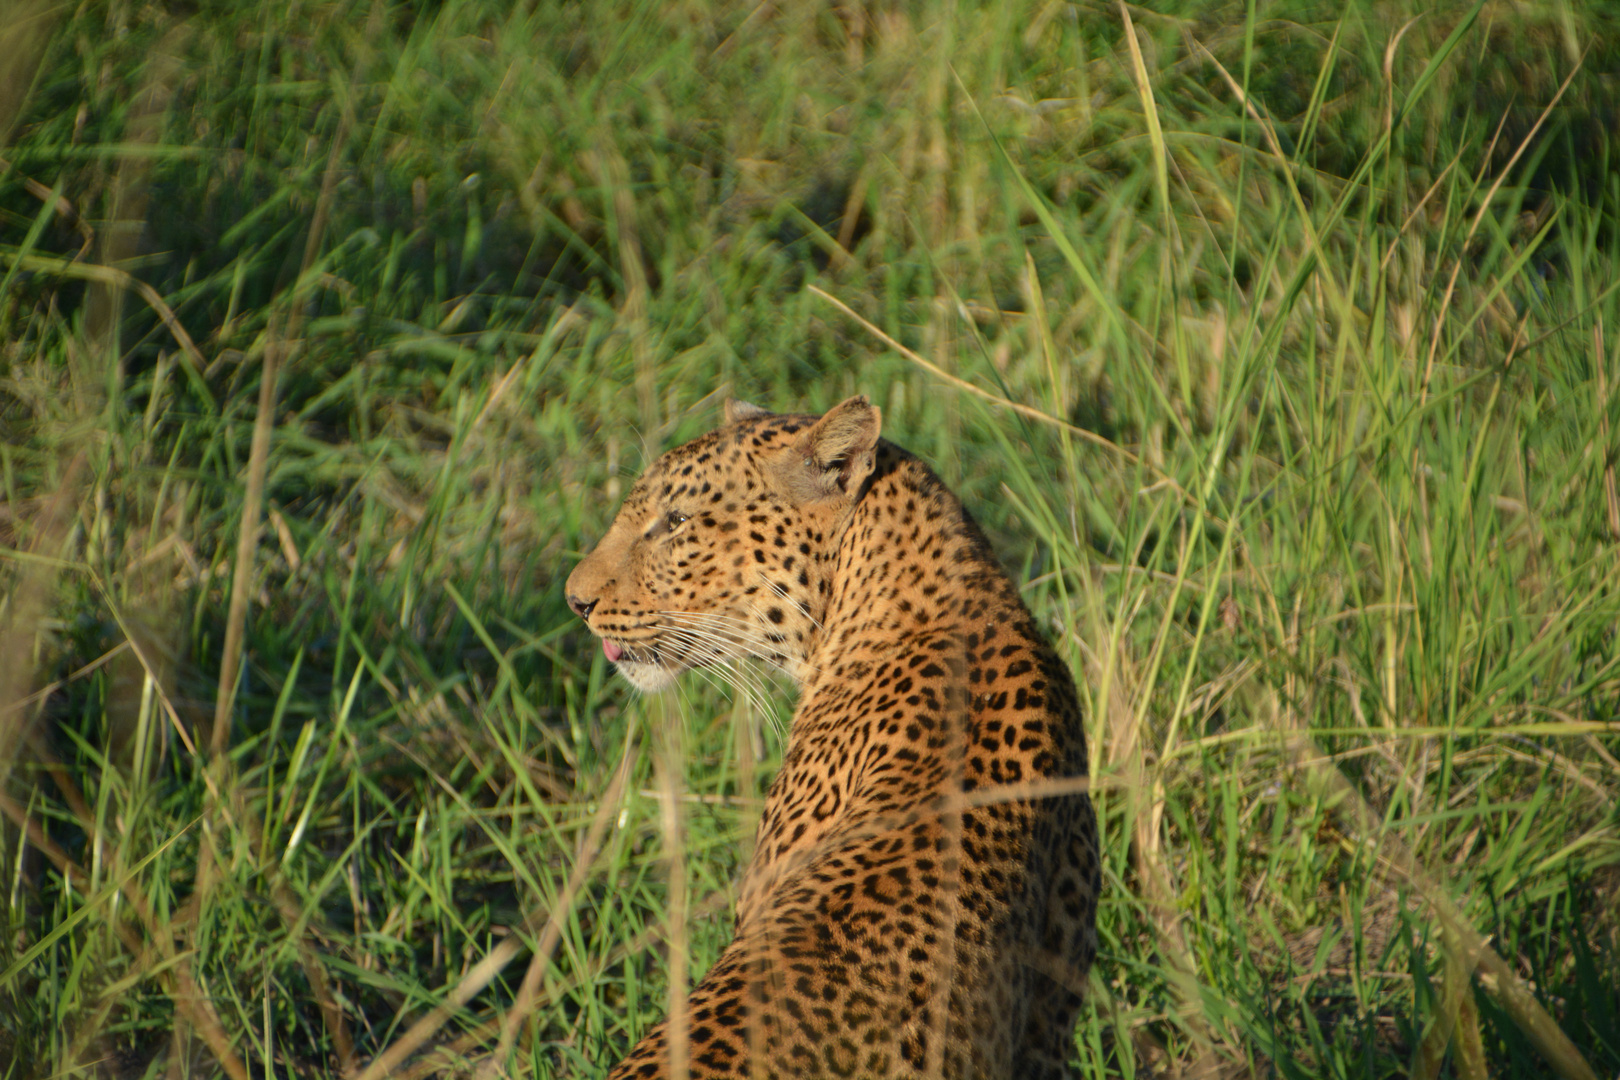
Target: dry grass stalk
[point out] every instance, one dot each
(1144, 811)
(28, 26)
(1458, 1022)
(1611, 490)
(985, 395)
(671, 761)
(27, 605)
(529, 993)
(121, 233)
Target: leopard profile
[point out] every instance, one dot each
(923, 893)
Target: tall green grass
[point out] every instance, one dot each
(1276, 347)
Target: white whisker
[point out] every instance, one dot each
(746, 633)
(750, 680)
(720, 671)
(741, 628)
(699, 649)
(751, 632)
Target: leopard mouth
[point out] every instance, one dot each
(621, 652)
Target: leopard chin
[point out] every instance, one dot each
(646, 676)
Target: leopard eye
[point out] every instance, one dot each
(675, 520)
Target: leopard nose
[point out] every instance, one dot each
(582, 608)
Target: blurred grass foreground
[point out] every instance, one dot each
(1277, 346)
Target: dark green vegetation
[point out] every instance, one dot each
(1331, 540)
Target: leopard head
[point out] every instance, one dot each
(726, 546)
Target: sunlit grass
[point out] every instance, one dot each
(1276, 350)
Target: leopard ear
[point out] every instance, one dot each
(836, 454)
(742, 410)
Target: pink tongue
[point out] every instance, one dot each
(611, 651)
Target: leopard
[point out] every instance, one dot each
(921, 899)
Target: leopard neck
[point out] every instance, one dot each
(907, 564)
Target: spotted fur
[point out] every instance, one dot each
(922, 897)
